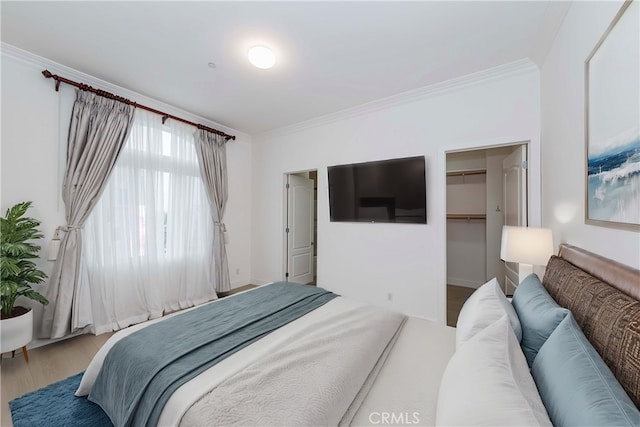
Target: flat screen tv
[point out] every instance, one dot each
(382, 191)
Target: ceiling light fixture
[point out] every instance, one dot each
(261, 57)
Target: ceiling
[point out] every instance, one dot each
(330, 55)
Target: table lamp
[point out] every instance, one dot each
(528, 246)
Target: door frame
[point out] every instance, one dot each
(534, 196)
(285, 223)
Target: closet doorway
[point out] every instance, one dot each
(301, 227)
(486, 189)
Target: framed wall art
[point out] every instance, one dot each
(612, 120)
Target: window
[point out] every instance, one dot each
(148, 241)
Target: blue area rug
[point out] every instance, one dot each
(56, 405)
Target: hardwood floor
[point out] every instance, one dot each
(456, 296)
(47, 364)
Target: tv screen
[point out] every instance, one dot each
(382, 191)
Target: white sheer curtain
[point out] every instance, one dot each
(147, 242)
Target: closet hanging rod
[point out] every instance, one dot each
(467, 217)
(468, 172)
(49, 75)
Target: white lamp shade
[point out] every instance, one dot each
(527, 245)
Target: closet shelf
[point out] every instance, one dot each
(467, 217)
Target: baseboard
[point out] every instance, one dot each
(240, 282)
(260, 282)
(236, 290)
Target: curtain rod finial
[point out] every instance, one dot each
(48, 75)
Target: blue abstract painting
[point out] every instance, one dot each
(613, 119)
(614, 180)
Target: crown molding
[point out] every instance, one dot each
(37, 61)
(519, 67)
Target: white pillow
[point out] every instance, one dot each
(487, 383)
(486, 305)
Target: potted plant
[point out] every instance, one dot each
(18, 273)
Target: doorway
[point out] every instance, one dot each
(301, 227)
(486, 189)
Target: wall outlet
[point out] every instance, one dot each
(389, 296)
(237, 271)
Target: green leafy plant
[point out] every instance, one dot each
(17, 251)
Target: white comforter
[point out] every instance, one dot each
(313, 371)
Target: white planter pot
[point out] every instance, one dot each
(16, 332)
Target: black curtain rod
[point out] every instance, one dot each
(110, 95)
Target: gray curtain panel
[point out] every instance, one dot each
(97, 133)
(212, 157)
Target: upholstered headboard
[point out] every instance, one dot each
(618, 275)
(604, 297)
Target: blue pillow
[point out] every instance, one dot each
(538, 313)
(575, 384)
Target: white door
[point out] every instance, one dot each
(514, 180)
(299, 229)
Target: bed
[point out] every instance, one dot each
(344, 362)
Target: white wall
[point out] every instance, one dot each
(563, 136)
(35, 120)
(370, 261)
